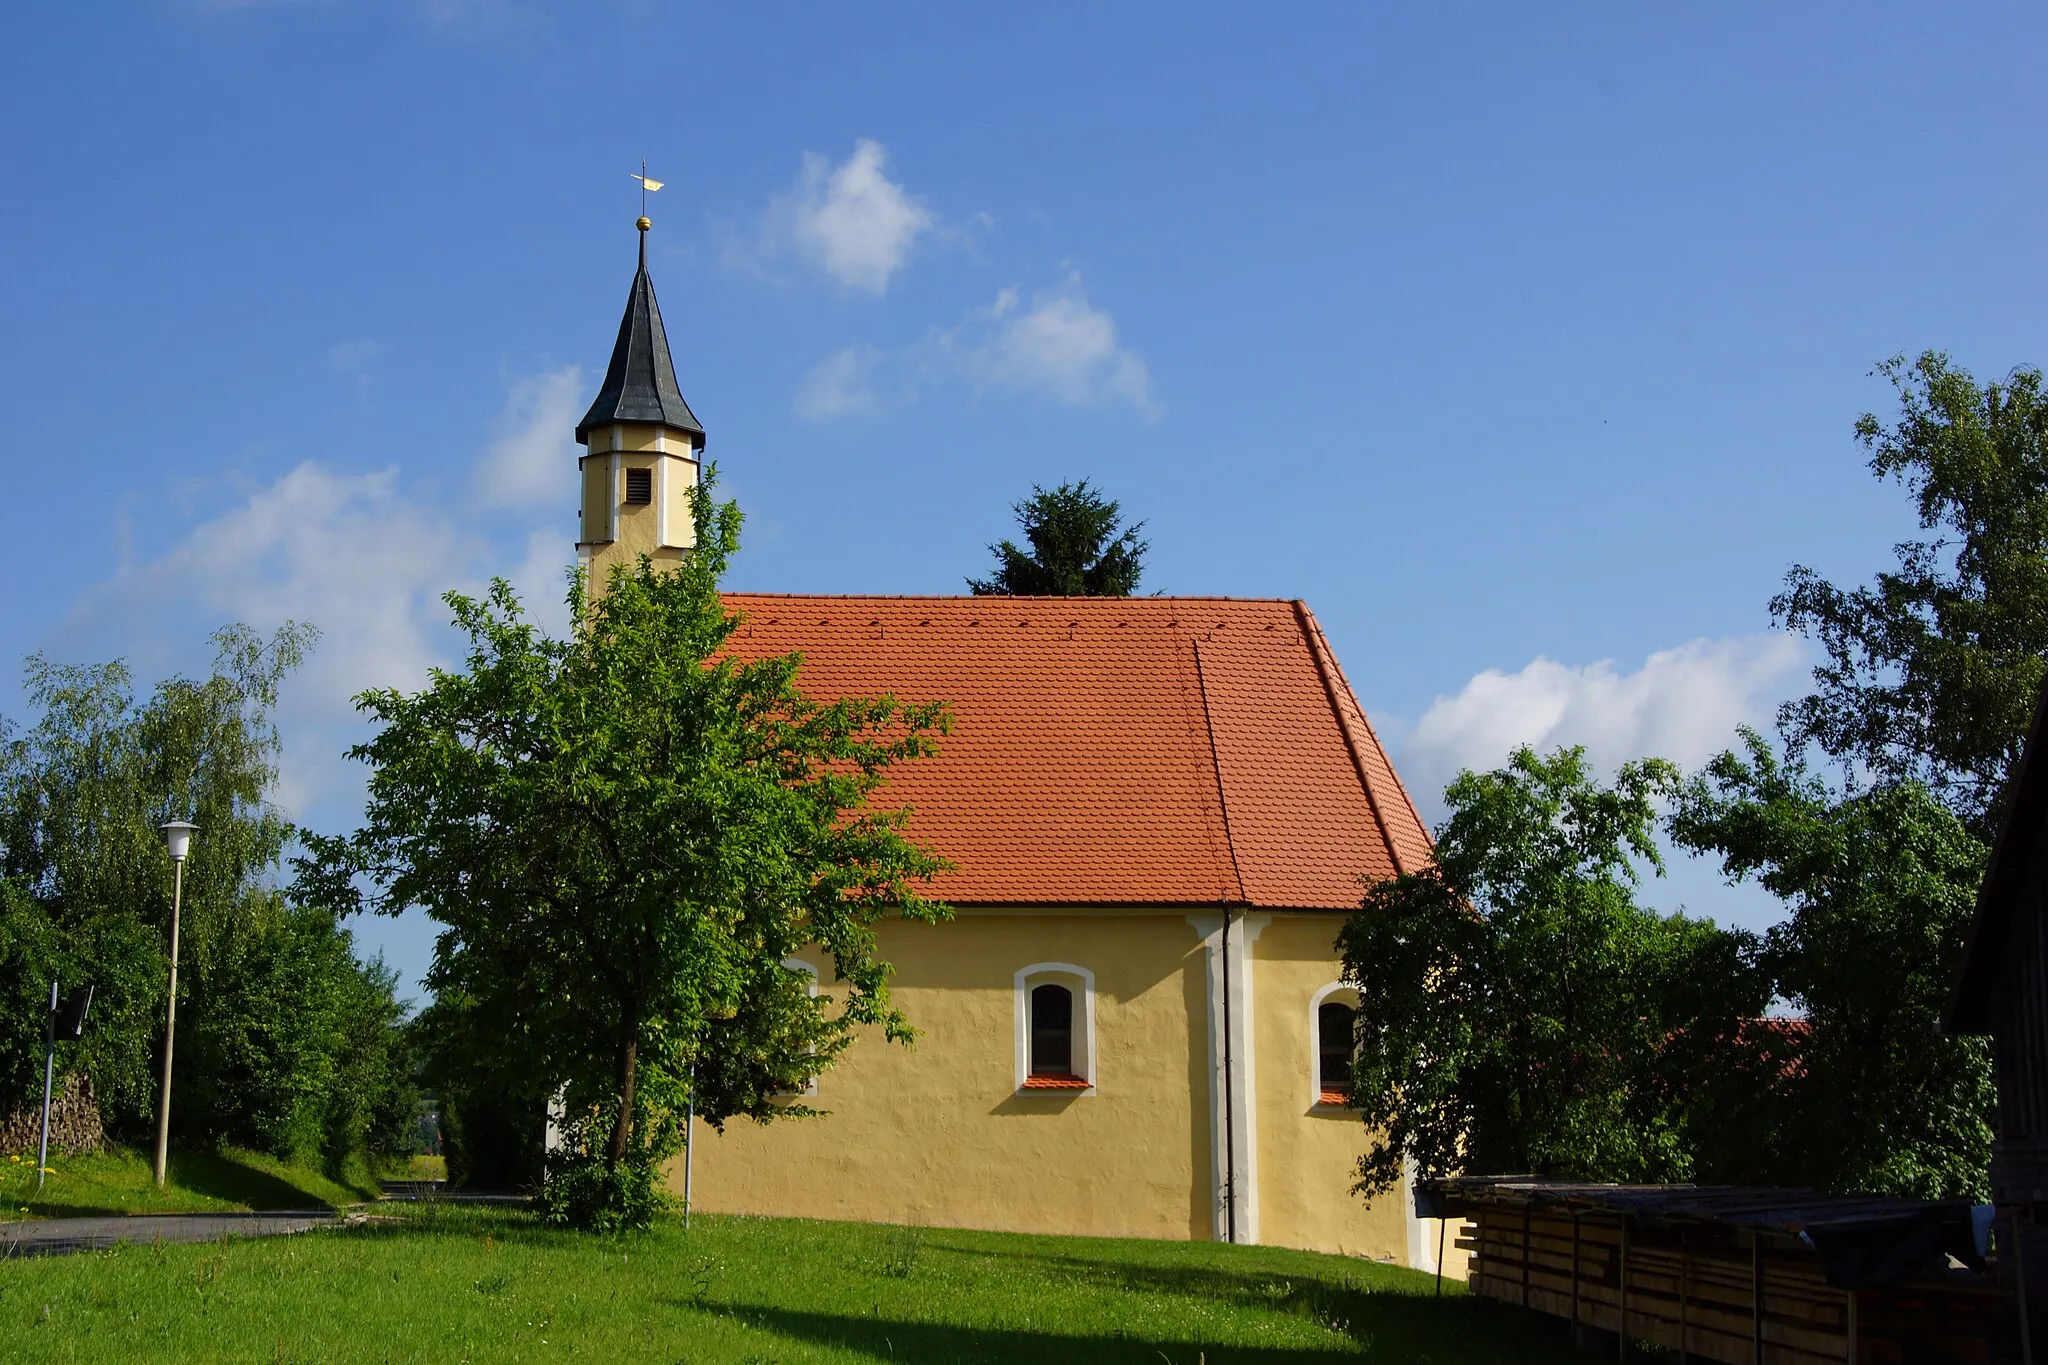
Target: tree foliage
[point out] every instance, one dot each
(625, 833)
(283, 1043)
(1079, 548)
(1922, 703)
(1863, 1092)
(493, 1117)
(1932, 669)
(1519, 1011)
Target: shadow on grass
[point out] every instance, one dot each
(220, 1176)
(1341, 1305)
(1407, 1336)
(36, 1209)
(472, 1222)
(1386, 1321)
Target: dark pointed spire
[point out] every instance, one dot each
(640, 383)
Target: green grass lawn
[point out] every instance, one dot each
(200, 1182)
(445, 1283)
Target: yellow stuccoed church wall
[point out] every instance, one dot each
(939, 1135)
(1308, 1152)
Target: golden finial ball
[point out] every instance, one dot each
(644, 224)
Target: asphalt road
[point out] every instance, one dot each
(50, 1236)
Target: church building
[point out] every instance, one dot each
(1160, 811)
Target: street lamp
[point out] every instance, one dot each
(178, 839)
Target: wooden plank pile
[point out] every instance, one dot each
(1713, 1274)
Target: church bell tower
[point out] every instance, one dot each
(642, 448)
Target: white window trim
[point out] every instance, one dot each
(1044, 973)
(1315, 1045)
(797, 964)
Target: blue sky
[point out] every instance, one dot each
(1524, 342)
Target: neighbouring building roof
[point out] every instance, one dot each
(640, 383)
(1117, 751)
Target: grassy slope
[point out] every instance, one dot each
(451, 1284)
(200, 1182)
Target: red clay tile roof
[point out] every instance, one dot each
(1105, 751)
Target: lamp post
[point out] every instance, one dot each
(178, 839)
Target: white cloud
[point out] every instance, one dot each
(1682, 704)
(533, 461)
(842, 383)
(231, 6)
(367, 564)
(345, 552)
(350, 358)
(541, 578)
(473, 16)
(1061, 346)
(355, 556)
(849, 220)
(352, 555)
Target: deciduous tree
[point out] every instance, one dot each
(625, 832)
(1863, 1092)
(1932, 669)
(1519, 1011)
(286, 1041)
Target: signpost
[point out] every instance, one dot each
(69, 1021)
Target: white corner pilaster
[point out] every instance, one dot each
(1233, 1071)
(612, 491)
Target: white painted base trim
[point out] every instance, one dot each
(1422, 1232)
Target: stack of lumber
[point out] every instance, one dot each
(1716, 1274)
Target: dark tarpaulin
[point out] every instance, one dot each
(1863, 1253)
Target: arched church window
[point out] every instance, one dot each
(809, 973)
(1336, 1041)
(1055, 1039)
(1052, 1032)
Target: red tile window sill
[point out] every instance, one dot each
(1054, 1083)
(1334, 1099)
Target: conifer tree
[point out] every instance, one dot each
(1079, 548)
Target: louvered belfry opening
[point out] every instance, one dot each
(640, 485)
(1052, 1031)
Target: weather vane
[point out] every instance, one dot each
(646, 184)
